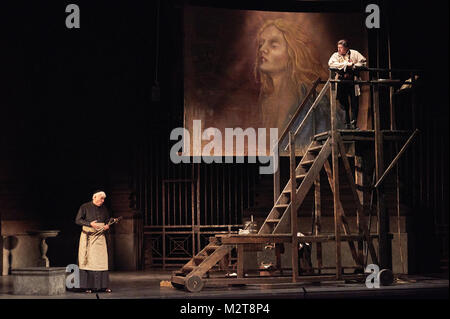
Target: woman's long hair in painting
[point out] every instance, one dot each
(303, 65)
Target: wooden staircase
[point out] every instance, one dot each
(190, 275)
(277, 222)
(307, 171)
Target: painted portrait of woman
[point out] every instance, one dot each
(285, 67)
(252, 69)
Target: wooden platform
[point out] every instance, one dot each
(366, 135)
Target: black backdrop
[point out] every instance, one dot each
(75, 103)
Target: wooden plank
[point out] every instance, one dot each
(212, 260)
(342, 215)
(356, 198)
(317, 223)
(294, 206)
(286, 238)
(359, 180)
(349, 174)
(383, 219)
(397, 157)
(240, 261)
(276, 183)
(178, 280)
(305, 186)
(335, 164)
(262, 280)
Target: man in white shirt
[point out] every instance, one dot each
(347, 62)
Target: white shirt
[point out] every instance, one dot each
(341, 62)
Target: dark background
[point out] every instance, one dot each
(76, 104)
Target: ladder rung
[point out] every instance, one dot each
(211, 247)
(300, 176)
(315, 149)
(188, 268)
(307, 163)
(281, 205)
(272, 220)
(200, 258)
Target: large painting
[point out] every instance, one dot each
(252, 69)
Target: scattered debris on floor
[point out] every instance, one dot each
(165, 283)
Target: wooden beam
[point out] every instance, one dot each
(335, 163)
(305, 186)
(397, 157)
(240, 261)
(264, 239)
(211, 260)
(384, 251)
(342, 215)
(317, 217)
(294, 206)
(356, 197)
(359, 180)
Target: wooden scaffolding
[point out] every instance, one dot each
(325, 152)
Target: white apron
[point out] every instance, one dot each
(92, 252)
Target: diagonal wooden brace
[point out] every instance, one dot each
(359, 207)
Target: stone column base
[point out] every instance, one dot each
(39, 281)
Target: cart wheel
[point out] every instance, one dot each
(385, 277)
(177, 286)
(194, 283)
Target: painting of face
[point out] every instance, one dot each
(272, 51)
(252, 69)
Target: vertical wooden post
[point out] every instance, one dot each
(317, 217)
(164, 224)
(314, 96)
(276, 178)
(197, 226)
(293, 209)
(240, 261)
(391, 88)
(193, 184)
(359, 181)
(383, 218)
(335, 164)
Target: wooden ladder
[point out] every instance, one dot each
(307, 171)
(189, 277)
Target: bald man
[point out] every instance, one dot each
(92, 252)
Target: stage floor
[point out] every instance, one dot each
(146, 285)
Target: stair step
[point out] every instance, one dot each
(272, 221)
(188, 268)
(300, 176)
(199, 258)
(281, 205)
(307, 163)
(315, 149)
(211, 248)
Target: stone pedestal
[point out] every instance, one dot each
(45, 281)
(43, 247)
